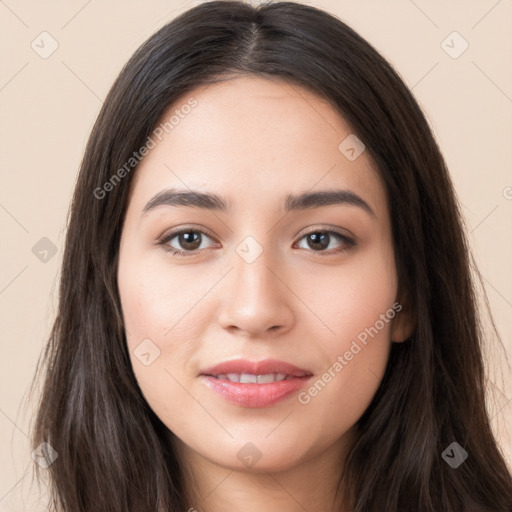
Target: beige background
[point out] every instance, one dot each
(48, 107)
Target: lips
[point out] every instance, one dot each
(266, 367)
(255, 383)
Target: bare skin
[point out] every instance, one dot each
(254, 141)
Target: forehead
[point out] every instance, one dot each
(249, 137)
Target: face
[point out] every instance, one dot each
(266, 277)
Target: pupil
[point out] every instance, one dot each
(186, 240)
(322, 238)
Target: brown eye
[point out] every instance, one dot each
(319, 241)
(189, 240)
(185, 242)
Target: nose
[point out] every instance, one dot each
(258, 300)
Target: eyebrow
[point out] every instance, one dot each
(211, 201)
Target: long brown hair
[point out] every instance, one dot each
(114, 454)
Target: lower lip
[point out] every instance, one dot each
(254, 395)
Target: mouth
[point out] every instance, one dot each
(248, 378)
(255, 383)
(265, 368)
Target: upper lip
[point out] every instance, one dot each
(264, 367)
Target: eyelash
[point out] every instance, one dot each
(164, 241)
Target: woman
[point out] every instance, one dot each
(265, 301)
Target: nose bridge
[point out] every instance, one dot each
(256, 299)
(253, 264)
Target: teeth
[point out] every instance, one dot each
(264, 379)
(247, 378)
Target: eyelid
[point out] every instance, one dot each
(168, 234)
(327, 229)
(348, 242)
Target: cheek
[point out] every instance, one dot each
(358, 310)
(156, 302)
(155, 310)
(158, 347)
(355, 300)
